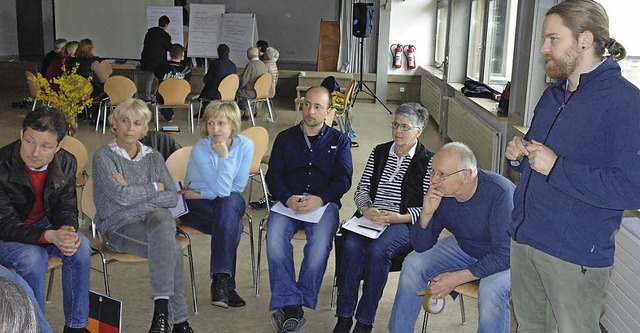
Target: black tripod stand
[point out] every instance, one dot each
(361, 86)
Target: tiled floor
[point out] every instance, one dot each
(130, 282)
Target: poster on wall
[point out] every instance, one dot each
(205, 29)
(174, 13)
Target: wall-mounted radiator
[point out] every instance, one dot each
(622, 311)
(485, 142)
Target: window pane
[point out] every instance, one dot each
(619, 20)
(500, 41)
(475, 39)
(441, 31)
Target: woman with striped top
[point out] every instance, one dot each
(390, 193)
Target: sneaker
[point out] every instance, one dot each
(246, 117)
(262, 203)
(182, 328)
(362, 328)
(293, 325)
(343, 325)
(277, 320)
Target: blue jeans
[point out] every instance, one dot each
(370, 260)
(42, 321)
(285, 290)
(155, 239)
(31, 263)
(222, 219)
(494, 310)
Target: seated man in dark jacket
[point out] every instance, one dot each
(39, 214)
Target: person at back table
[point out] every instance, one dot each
(56, 53)
(475, 206)
(218, 70)
(270, 59)
(173, 69)
(87, 66)
(157, 42)
(310, 167)
(254, 69)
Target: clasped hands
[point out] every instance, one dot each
(305, 204)
(65, 238)
(381, 217)
(541, 157)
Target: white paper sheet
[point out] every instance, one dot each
(313, 217)
(364, 227)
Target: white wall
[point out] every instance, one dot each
(8, 28)
(413, 22)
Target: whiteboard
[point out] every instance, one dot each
(239, 32)
(205, 30)
(117, 27)
(174, 13)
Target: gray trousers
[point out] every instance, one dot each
(551, 294)
(145, 85)
(155, 239)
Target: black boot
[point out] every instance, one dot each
(362, 328)
(182, 328)
(219, 287)
(343, 325)
(235, 301)
(159, 323)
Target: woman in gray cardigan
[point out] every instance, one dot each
(133, 193)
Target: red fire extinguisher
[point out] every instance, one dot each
(396, 54)
(409, 52)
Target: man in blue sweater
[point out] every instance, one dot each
(475, 206)
(579, 163)
(310, 167)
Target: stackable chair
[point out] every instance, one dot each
(118, 89)
(174, 93)
(227, 88)
(262, 86)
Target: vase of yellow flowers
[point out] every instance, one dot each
(70, 93)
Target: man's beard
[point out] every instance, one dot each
(560, 69)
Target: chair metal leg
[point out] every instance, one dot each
(191, 270)
(199, 110)
(424, 322)
(98, 116)
(51, 276)
(105, 274)
(252, 248)
(264, 190)
(271, 119)
(104, 120)
(462, 314)
(157, 120)
(253, 121)
(260, 230)
(191, 116)
(334, 291)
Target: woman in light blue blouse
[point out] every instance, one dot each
(217, 173)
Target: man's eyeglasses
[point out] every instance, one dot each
(442, 176)
(401, 127)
